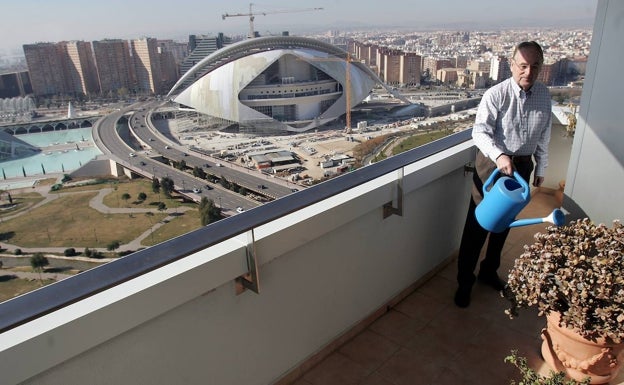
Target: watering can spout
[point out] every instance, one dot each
(557, 217)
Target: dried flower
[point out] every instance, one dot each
(578, 271)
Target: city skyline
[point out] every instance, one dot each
(132, 19)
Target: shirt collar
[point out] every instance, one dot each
(518, 90)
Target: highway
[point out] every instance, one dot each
(143, 149)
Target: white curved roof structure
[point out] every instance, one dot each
(281, 82)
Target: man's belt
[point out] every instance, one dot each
(521, 158)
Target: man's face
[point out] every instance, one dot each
(525, 67)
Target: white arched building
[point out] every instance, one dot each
(279, 83)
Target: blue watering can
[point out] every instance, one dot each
(501, 203)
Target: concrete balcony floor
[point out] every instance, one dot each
(426, 339)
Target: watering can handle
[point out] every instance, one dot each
(524, 184)
(488, 182)
(519, 178)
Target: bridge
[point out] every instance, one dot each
(49, 125)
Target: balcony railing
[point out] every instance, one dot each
(322, 260)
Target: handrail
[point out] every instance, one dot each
(45, 300)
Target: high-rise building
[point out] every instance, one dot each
(461, 61)
(46, 68)
(392, 67)
(499, 69)
(80, 67)
(114, 65)
(172, 54)
(61, 68)
(15, 84)
(409, 69)
(200, 46)
(147, 65)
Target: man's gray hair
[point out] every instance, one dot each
(530, 44)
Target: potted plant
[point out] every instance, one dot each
(574, 274)
(531, 377)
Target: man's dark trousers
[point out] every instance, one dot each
(474, 235)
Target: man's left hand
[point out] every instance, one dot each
(538, 180)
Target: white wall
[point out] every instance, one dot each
(322, 270)
(595, 178)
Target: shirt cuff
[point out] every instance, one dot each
(494, 155)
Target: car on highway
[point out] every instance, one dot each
(132, 154)
(196, 190)
(239, 209)
(219, 165)
(167, 147)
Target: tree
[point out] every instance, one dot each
(125, 197)
(167, 185)
(155, 185)
(199, 172)
(142, 196)
(38, 261)
(225, 183)
(208, 211)
(113, 245)
(162, 206)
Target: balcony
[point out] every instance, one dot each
(354, 278)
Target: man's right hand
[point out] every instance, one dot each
(504, 164)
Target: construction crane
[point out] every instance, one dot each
(253, 15)
(348, 59)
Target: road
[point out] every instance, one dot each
(145, 150)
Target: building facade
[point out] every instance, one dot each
(147, 67)
(277, 83)
(114, 65)
(80, 66)
(61, 68)
(46, 68)
(15, 84)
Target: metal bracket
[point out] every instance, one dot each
(388, 209)
(468, 167)
(249, 280)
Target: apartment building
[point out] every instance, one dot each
(147, 67)
(14, 84)
(114, 65)
(80, 67)
(432, 64)
(448, 76)
(499, 69)
(391, 67)
(46, 68)
(61, 68)
(409, 69)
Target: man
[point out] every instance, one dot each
(512, 125)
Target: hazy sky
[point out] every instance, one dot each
(31, 21)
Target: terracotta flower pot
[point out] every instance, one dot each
(565, 350)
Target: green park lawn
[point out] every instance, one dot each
(69, 221)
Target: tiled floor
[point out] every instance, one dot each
(426, 339)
